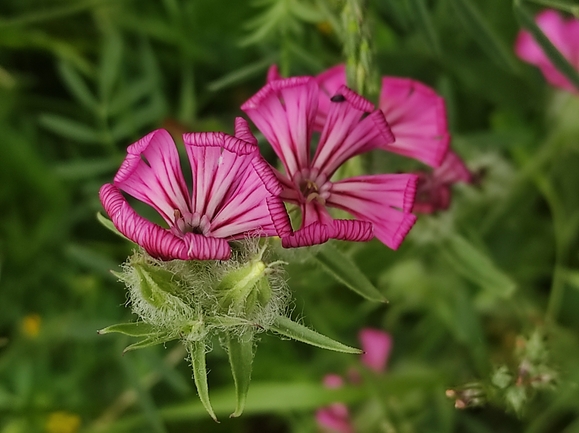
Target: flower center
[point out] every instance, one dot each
(191, 223)
(312, 186)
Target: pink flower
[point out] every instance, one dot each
(234, 193)
(563, 34)
(287, 112)
(434, 189)
(334, 418)
(415, 112)
(376, 345)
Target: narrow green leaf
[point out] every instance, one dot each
(479, 268)
(288, 328)
(70, 128)
(476, 24)
(240, 358)
(345, 270)
(559, 61)
(110, 65)
(86, 168)
(424, 22)
(77, 86)
(240, 75)
(107, 223)
(197, 351)
(134, 329)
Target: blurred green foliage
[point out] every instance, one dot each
(82, 79)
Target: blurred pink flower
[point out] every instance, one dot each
(563, 34)
(234, 193)
(377, 346)
(334, 418)
(287, 112)
(434, 188)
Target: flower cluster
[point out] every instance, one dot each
(564, 35)
(236, 193)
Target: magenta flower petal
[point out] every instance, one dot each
(313, 234)
(433, 189)
(273, 74)
(284, 111)
(279, 216)
(352, 127)
(159, 242)
(417, 117)
(352, 230)
(334, 418)
(243, 132)
(563, 34)
(151, 173)
(229, 191)
(376, 345)
(329, 81)
(383, 200)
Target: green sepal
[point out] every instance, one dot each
(197, 352)
(133, 329)
(240, 349)
(238, 289)
(345, 270)
(559, 61)
(288, 328)
(108, 224)
(151, 340)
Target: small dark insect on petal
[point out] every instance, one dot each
(338, 98)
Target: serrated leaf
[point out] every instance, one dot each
(345, 270)
(70, 128)
(476, 24)
(288, 328)
(77, 86)
(133, 329)
(559, 61)
(240, 358)
(107, 223)
(197, 352)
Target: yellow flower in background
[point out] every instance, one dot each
(31, 325)
(62, 422)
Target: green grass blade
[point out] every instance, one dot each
(476, 24)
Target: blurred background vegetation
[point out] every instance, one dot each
(477, 293)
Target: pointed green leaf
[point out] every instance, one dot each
(77, 86)
(70, 128)
(134, 329)
(288, 328)
(345, 270)
(479, 268)
(110, 64)
(197, 351)
(107, 223)
(476, 24)
(240, 358)
(558, 60)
